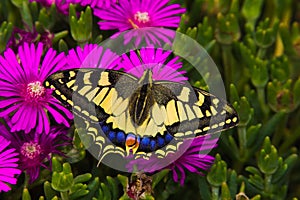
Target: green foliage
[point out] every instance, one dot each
(5, 32)
(81, 29)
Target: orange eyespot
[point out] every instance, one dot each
(132, 143)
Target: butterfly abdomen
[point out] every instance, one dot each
(141, 102)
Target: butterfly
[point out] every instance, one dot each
(123, 114)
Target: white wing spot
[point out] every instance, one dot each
(84, 90)
(200, 99)
(234, 119)
(184, 95)
(171, 113)
(100, 96)
(70, 83)
(198, 111)
(181, 111)
(206, 128)
(214, 126)
(179, 135)
(104, 79)
(215, 101)
(213, 110)
(158, 117)
(189, 111)
(207, 113)
(228, 121)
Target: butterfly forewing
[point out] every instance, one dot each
(194, 109)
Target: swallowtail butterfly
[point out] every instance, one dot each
(139, 116)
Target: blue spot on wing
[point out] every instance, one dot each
(105, 129)
(145, 143)
(153, 145)
(112, 136)
(168, 137)
(121, 137)
(160, 142)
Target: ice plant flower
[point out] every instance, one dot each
(24, 101)
(8, 165)
(36, 149)
(193, 158)
(92, 56)
(139, 16)
(19, 37)
(158, 60)
(133, 14)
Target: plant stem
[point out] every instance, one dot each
(261, 53)
(279, 133)
(215, 193)
(242, 142)
(26, 181)
(262, 101)
(268, 179)
(228, 64)
(64, 195)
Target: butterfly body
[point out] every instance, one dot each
(125, 114)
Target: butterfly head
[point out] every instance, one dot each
(146, 78)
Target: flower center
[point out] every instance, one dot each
(35, 89)
(31, 150)
(142, 17)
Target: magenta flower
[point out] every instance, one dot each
(19, 37)
(92, 56)
(195, 159)
(24, 101)
(36, 149)
(157, 61)
(8, 165)
(139, 16)
(191, 156)
(147, 36)
(134, 14)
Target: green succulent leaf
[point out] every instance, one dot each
(26, 194)
(48, 190)
(227, 30)
(81, 29)
(218, 172)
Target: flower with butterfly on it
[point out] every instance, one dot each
(36, 149)
(92, 56)
(194, 159)
(25, 102)
(8, 165)
(139, 17)
(159, 61)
